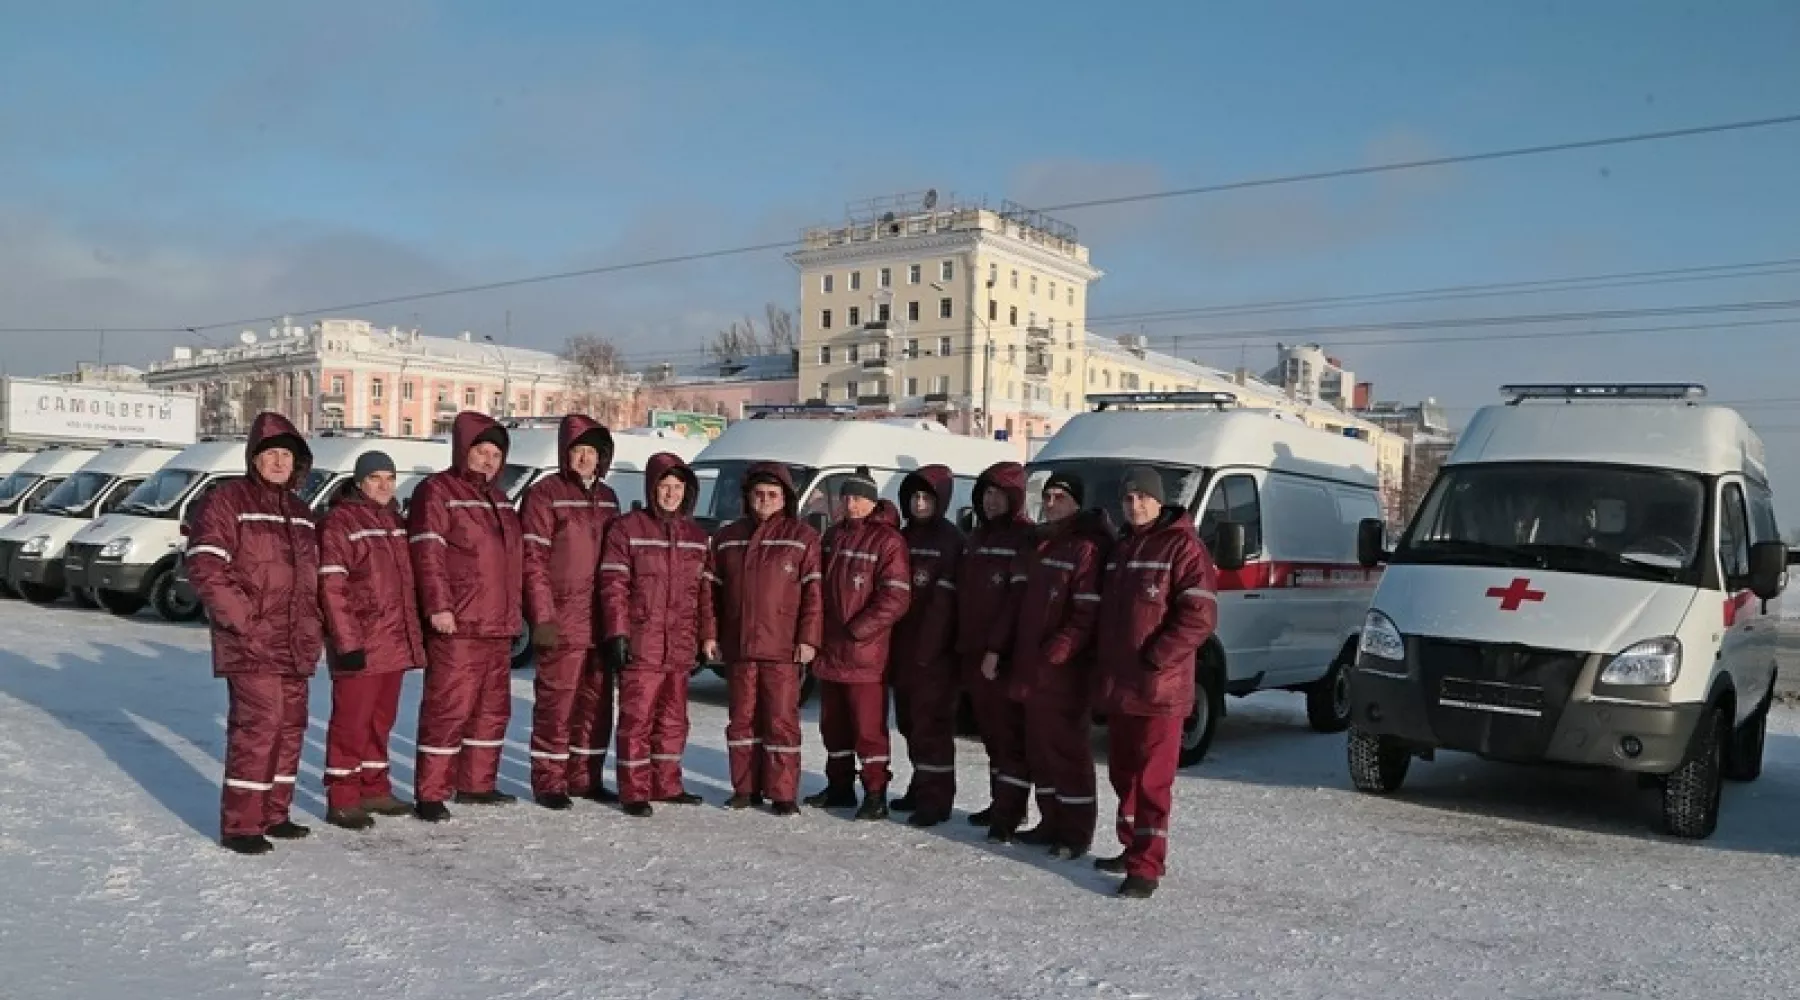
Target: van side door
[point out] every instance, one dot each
(1742, 651)
(1309, 547)
(1248, 623)
(1763, 528)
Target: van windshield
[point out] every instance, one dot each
(1101, 479)
(513, 479)
(75, 493)
(158, 495)
(722, 489)
(14, 486)
(1641, 524)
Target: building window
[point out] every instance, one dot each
(1053, 291)
(375, 388)
(944, 347)
(1031, 320)
(946, 270)
(469, 399)
(944, 309)
(375, 421)
(289, 381)
(824, 354)
(1034, 284)
(1106, 379)
(406, 427)
(884, 278)
(1069, 332)
(912, 348)
(1071, 293)
(993, 310)
(406, 391)
(940, 384)
(850, 390)
(443, 396)
(912, 311)
(855, 315)
(825, 391)
(1050, 325)
(1066, 405)
(1012, 390)
(856, 281)
(1068, 366)
(993, 275)
(337, 385)
(495, 401)
(912, 386)
(824, 319)
(884, 312)
(825, 284)
(914, 274)
(853, 354)
(1012, 353)
(1015, 278)
(306, 384)
(1012, 315)
(524, 404)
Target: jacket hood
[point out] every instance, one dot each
(658, 467)
(1008, 477)
(468, 430)
(778, 472)
(1094, 523)
(885, 513)
(571, 432)
(938, 480)
(264, 432)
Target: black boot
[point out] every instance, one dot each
(250, 844)
(1111, 866)
(1137, 887)
(757, 800)
(982, 818)
(555, 800)
(638, 809)
(493, 798)
(431, 812)
(353, 818)
(999, 835)
(1037, 836)
(1066, 852)
(785, 809)
(833, 798)
(926, 819)
(682, 799)
(874, 806)
(287, 829)
(904, 804)
(387, 805)
(739, 802)
(601, 794)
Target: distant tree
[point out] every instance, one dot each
(598, 386)
(742, 339)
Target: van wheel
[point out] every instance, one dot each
(1209, 704)
(1378, 764)
(84, 598)
(172, 601)
(1744, 757)
(521, 647)
(1690, 797)
(120, 603)
(38, 593)
(1328, 698)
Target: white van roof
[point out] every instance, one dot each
(1213, 439)
(11, 460)
(127, 460)
(1657, 434)
(224, 455)
(58, 461)
(535, 447)
(332, 453)
(833, 443)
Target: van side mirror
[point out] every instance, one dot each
(966, 520)
(1228, 549)
(1768, 569)
(818, 521)
(1371, 542)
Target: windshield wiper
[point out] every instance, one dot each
(1464, 550)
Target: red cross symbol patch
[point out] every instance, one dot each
(1514, 594)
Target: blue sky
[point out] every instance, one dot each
(183, 162)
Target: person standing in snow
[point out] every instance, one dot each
(564, 518)
(983, 594)
(769, 629)
(1158, 606)
(253, 558)
(1048, 651)
(373, 623)
(468, 563)
(656, 608)
(922, 663)
(867, 589)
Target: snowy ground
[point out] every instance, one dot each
(1479, 881)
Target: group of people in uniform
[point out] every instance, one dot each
(1040, 624)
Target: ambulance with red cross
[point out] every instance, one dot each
(1277, 503)
(1594, 579)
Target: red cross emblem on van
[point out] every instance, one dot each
(1515, 593)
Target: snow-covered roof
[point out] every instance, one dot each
(750, 368)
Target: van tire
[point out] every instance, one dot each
(1744, 756)
(84, 598)
(165, 597)
(1328, 698)
(38, 593)
(1202, 723)
(1378, 764)
(119, 603)
(1690, 795)
(521, 647)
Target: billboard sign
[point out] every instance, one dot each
(698, 426)
(72, 411)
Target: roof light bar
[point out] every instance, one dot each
(1603, 390)
(761, 411)
(1102, 400)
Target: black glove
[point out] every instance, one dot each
(544, 636)
(352, 662)
(616, 652)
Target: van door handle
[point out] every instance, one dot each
(1251, 595)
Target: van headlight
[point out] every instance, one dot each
(115, 549)
(35, 545)
(1380, 639)
(1653, 661)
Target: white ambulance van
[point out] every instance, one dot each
(1593, 580)
(26, 487)
(1277, 504)
(334, 455)
(35, 567)
(130, 557)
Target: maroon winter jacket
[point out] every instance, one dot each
(564, 524)
(366, 586)
(1157, 607)
(466, 547)
(1046, 642)
(866, 591)
(656, 577)
(984, 576)
(253, 557)
(933, 548)
(768, 579)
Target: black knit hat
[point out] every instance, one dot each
(1069, 483)
(860, 486)
(1143, 479)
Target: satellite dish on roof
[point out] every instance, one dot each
(930, 199)
(247, 338)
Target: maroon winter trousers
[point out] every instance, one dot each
(853, 724)
(571, 723)
(762, 736)
(1001, 721)
(925, 710)
(363, 709)
(1059, 746)
(462, 719)
(265, 727)
(653, 731)
(1143, 753)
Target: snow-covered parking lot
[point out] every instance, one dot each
(1479, 881)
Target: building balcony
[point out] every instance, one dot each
(1037, 370)
(881, 400)
(446, 406)
(331, 399)
(1040, 334)
(881, 364)
(936, 397)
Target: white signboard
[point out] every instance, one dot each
(71, 411)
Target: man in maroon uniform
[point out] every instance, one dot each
(922, 664)
(983, 596)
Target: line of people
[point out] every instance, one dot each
(1040, 624)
